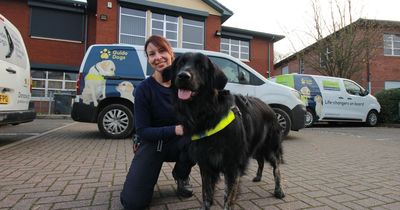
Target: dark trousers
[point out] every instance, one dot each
(146, 166)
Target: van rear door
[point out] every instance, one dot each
(14, 69)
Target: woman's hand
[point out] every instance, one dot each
(179, 130)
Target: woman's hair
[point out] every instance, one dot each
(159, 42)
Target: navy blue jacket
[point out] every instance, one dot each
(155, 117)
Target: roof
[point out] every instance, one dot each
(248, 34)
(359, 21)
(225, 12)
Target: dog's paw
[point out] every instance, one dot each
(279, 193)
(257, 179)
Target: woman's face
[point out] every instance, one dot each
(158, 58)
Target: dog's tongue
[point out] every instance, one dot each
(184, 94)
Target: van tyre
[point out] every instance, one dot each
(309, 118)
(283, 120)
(372, 118)
(115, 121)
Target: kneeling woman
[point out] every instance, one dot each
(160, 134)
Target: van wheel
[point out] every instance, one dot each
(115, 121)
(309, 118)
(372, 118)
(283, 120)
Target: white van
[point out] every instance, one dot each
(333, 99)
(109, 74)
(15, 77)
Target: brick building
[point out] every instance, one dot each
(384, 66)
(57, 34)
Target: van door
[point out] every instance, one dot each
(14, 69)
(334, 102)
(357, 100)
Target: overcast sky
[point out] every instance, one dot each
(292, 18)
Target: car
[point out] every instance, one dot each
(333, 99)
(15, 77)
(109, 74)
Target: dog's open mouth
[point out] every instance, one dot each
(185, 94)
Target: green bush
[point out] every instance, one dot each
(390, 102)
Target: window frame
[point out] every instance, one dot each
(240, 46)
(47, 89)
(392, 40)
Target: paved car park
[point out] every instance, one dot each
(74, 167)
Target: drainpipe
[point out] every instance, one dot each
(269, 61)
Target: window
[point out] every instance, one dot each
(132, 26)
(236, 48)
(353, 89)
(324, 58)
(285, 70)
(392, 84)
(46, 83)
(57, 24)
(391, 44)
(301, 66)
(236, 73)
(166, 26)
(193, 34)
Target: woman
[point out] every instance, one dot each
(161, 137)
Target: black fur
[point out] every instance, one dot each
(255, 131)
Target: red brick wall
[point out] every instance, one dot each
(212, 24)
(39, 50)
(259, 56)
(107, 30)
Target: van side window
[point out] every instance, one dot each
(353, 89)
(234, 72)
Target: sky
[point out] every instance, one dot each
(293, 18)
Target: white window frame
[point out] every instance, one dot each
(392, 84)
(134, 16)
(240, 46)
(391, 42)
(47, 88)
(149, 28)
(301, 66)
(164, 22)
(201, 43)
(285, 70)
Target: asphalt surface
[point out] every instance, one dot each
(74, 167)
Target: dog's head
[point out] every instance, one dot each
(106, 68)
(125, 87)
(194, 74)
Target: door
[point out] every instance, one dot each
(356, 100)
(14, 69)
(333, 106)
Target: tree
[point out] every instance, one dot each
(349, 46)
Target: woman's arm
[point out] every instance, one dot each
(143, 124)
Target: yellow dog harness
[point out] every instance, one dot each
(221, 125)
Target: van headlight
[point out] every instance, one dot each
(296, 93)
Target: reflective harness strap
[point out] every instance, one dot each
(94, 76)
(221, 125)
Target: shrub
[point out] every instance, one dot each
(390, 103)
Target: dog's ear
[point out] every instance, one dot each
(220, 78)
(167, 74)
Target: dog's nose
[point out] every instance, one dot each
(184, 75)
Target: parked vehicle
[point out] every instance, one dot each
(109, 73)
(15, 77)
(333, 99)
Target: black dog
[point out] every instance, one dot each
(227, 130)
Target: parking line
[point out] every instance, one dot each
(34, 137)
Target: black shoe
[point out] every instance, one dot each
(184, 189)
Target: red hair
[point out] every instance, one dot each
(159, 42)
